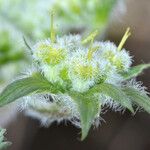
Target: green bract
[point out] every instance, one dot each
(74, 79)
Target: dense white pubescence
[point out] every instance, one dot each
(78, 66)
(49, 108)
(68, 58)
(109, 103)
(137, 85)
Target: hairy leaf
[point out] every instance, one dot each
(25, 86)
(139, 98)
(135, 71)
(114, 92)
(88, 108)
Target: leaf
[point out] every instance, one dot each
(139, 98)
(26, 86)
(135, 71)
(88, 109)
(114, 92)
(4, 145)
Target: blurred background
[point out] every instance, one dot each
(31, 19)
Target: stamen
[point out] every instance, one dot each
(52, 30)
(125, 37)
(90, 37)
(91, 52)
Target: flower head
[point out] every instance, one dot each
(76, 79)
(49, 53)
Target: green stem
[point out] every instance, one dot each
(52, 34)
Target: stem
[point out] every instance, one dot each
(52, 30)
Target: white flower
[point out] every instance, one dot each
(82, 72)
(120, 59)
(49, 53)
(69, 61)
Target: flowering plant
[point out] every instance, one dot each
(75, 79)
(15, 24)
(90, 15)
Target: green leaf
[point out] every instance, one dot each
(88, 108)
(135, 71)
(115, 93)
(25, 86)
(139, 98)
(3, 144)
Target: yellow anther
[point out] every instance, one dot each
(125, 37)
(52, 30)
(90, 37)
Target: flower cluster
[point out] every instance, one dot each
(75, 64)
(75, 79)
(72, 62)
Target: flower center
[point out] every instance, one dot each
(85, 71)
(50, 55)
(109, 55)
